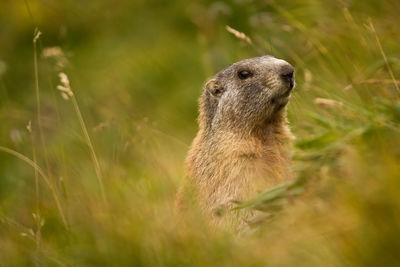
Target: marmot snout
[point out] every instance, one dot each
(240, 147)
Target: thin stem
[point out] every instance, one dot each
(36, 35)
(35, 38)
(37, 195)
(89, 143)
(383, 55)
(42, 174)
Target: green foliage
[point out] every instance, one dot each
(126, 112)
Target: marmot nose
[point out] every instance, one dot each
(287, 71)
(287, 74)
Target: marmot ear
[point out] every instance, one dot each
(214, 87)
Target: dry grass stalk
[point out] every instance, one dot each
(54, 51)
(57, 54)
(327, 103)
(65, 87)
(372, 28)
(36, 215)
(67, 93)
(384, 81)
(239, 35)
(37, 195)
(36, 35)
(43, 175)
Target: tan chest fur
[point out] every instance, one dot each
(232, 168)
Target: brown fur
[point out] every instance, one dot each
(240, 148)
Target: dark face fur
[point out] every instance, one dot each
(247, 93)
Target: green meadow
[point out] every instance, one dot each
(98, 107)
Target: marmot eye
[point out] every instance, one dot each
(244, 74)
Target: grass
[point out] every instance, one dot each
(137, 69)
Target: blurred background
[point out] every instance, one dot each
(89, 176)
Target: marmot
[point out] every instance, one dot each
(240, 148)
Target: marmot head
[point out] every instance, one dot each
(246, 94)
